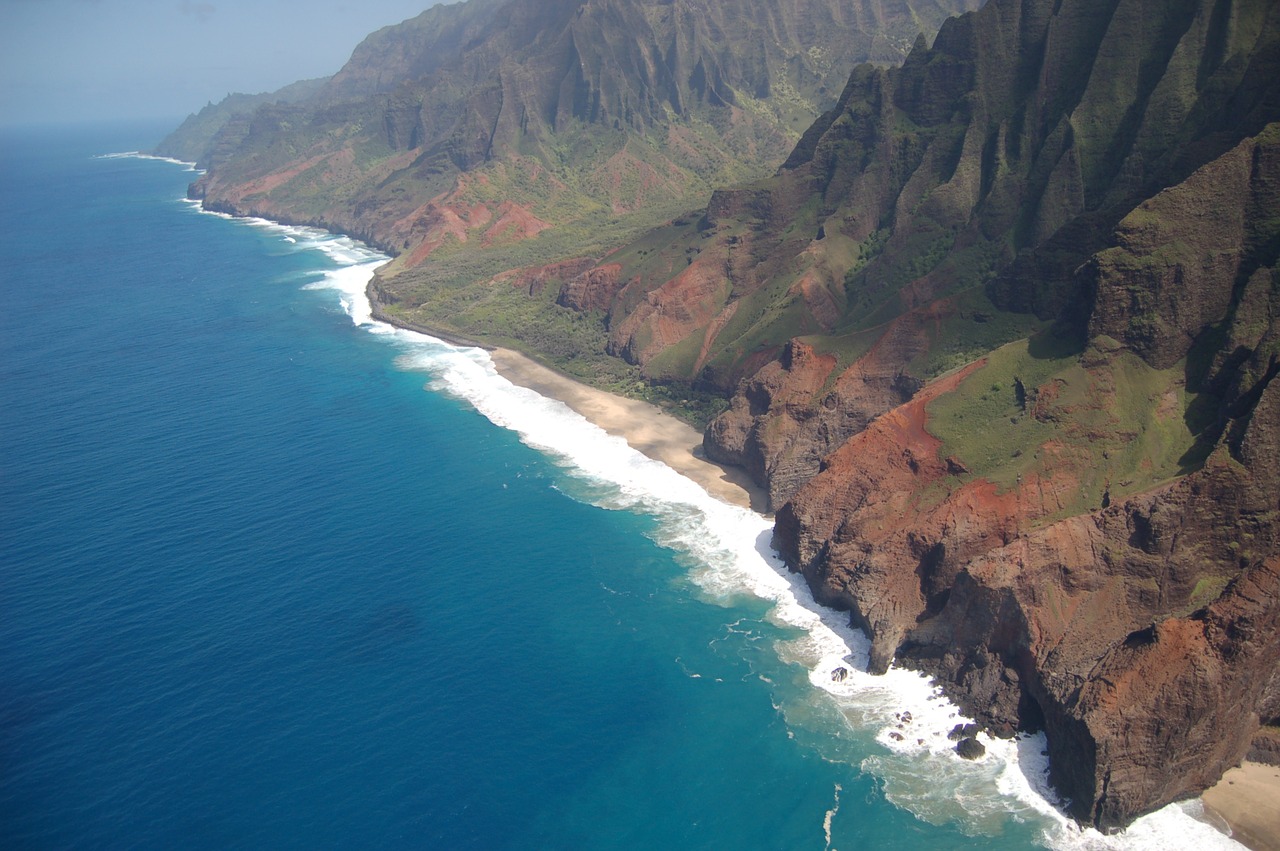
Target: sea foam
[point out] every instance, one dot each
(729, 556)
(138, 155)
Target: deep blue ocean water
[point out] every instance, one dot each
(270, 578)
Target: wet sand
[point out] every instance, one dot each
(645, 427)
(1248, 799)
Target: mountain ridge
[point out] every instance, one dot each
(569, 112)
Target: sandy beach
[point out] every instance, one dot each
(645, 427)
(1248, 799)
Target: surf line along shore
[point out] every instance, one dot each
(660, 436)
(1247, 798)
(644, 426)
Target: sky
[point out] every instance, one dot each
(90, 60)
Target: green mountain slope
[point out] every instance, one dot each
(227, 120)
(492, 122)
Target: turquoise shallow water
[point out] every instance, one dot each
(260, 588)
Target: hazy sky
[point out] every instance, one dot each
(63, 60)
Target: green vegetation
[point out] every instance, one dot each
(1040, 407)
(1208, 589)
(974, 328)
(444, 294)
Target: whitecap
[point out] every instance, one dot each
(138, 155)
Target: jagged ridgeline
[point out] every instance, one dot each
(499, 137)
(491, 122)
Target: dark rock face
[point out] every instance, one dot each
(1178, 255)
(971, 748)
(1265, 747)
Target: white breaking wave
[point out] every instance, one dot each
(138, 155)
(831, 814)
(727, 548)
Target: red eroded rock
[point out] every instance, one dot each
(1143, 637)
(592, 289)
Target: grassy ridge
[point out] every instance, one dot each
(1040, 407)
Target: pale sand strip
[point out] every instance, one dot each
(1248, 799)
(644, 426)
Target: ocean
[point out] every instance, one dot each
(273, 575)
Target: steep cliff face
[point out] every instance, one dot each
(1089, 542)
(566, 112)
(942, 208)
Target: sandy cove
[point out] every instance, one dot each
(1248, 799)
(645, 427)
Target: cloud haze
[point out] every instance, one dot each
(66, 60)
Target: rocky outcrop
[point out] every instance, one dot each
(592, 289)
(535, 279)
(789, 416)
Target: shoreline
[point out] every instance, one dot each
(380, 315)
(644, 426)
(1247, 798)
(1242, 801)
